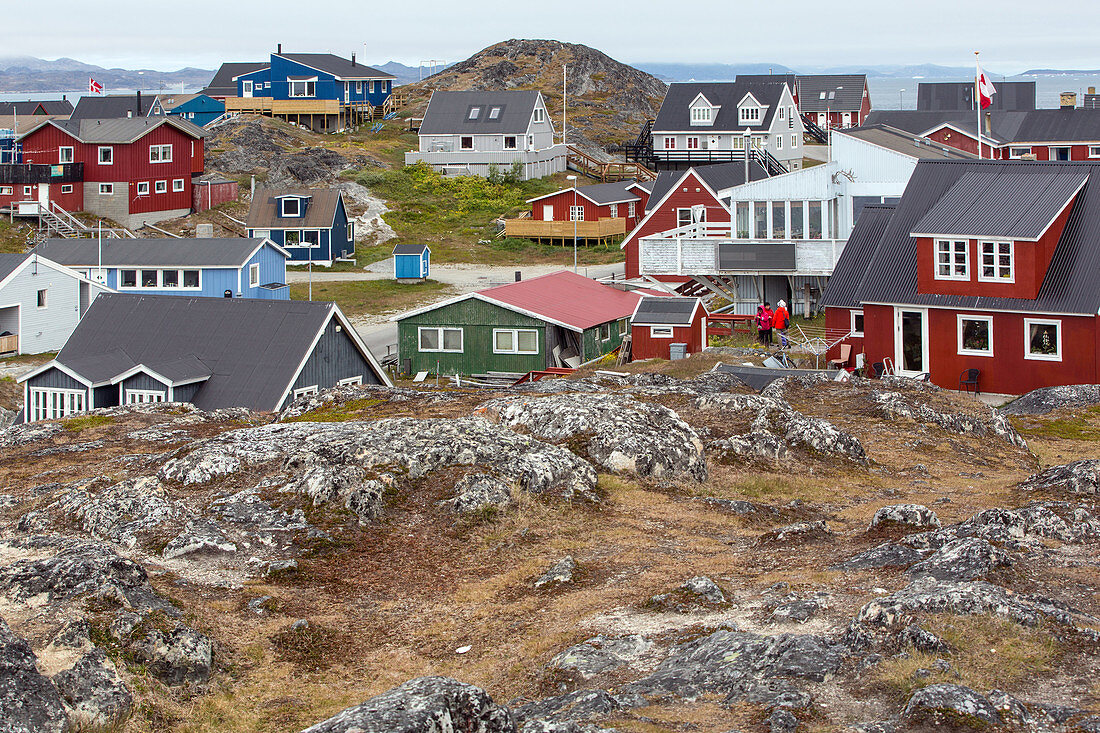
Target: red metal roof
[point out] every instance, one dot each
(567, 298)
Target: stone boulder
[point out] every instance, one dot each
(600, 654)
(902, 406)
(950, 705)
(904, 515)
(423, 705)
(1078, 477)
(477, 491)
(970, 558)
(93, 692)
(621, 434)
(695, 593)
(559, 573)
(1047, 399)
(28, 702)
(568, 713)
(886, 555)
(198, 538)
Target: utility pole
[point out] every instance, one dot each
(564, 90)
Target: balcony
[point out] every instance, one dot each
(448, 157)
(707, 249)
(269, 106)
(535, 229)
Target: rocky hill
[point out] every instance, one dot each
(608, 100)
(601, 553)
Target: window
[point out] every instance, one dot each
(291, 206)
(750, 114)
(127, 279)
(1020, 152)
(160, 153)
(177, 184)
(466, 143)
(41, 298)
(693, 143)
(141, 396)
(246, 88)
(624, 326)
(1094, 151)
(494, 113)
(701, 115)
(5, 190)
(311, 238)
(952, 260)
(515, 341)
(779, 220)
(540, 115)
(738, 142)
(358, 87)
(357, 379)
(857, 323)
(797, 228)
(605, 332)
(161, 187)
(65, 154)
(65, 188)
(614, 211)
(106, 155)
(260, 233)
(143, 188)
(1042, 339)
(192, 279)
(780, 113)
(303, 88)
(794, 140)
(576, 213)
(778, 142)
(997, 262)
(510, 142)
(253, 275)
(27, 190)
(50, 404)
(170, 279)
(439, 338)
(106, 189)
(303, 391)
(814, 208)
(975, 335)
(473, 113)
(660, 332)
(670, 143)
(150, 278)
(291, 238)
(630, 209)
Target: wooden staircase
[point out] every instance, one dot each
(607, 171)
(54, 221)
(813, 130)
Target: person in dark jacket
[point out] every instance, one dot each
(764, 323)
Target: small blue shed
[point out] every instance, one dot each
(411, 261)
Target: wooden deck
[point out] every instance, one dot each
(563, 230)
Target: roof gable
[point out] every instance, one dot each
(831, 92)
(665, 311)
(451, 113)
(675, 112)
(320, 211)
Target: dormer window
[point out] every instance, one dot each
(952, 259)
(473, 113)
(996, 262)
(291, 207)
(494, 113)
(750, 114)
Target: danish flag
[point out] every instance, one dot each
(94, 86)
(986, 90)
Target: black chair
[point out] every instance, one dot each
(879, 368)
(969, 378)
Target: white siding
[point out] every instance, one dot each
(44, 329)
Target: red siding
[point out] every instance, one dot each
(73, 201)
(966, 143)
(644, 346)
(210, 195)
(561, 202)
(837, 321)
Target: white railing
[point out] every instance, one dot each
(502, 158)
(663, 255)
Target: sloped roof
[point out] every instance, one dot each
(718, 176)
(251, 348)
(172, 101)
(121, 130)
(675, 115)
(842, 92)
(112, 105)
(339, 67)
(320, 210)
(959, 95)
(222, 85)
(448, 113)
(843, 285)
(1077, 124)
(906, 143)
(1070, 282)
(9, 263)
(666, 311)
(58, 107)
(166, 252)
(409, 249)
(601, 194)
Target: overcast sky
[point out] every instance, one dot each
(1012, 35)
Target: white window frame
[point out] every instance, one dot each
(473, 113)
(160, 187)
(42, 299)
(144, 396)
(576, 213)
(349, 381)
(106, 189)
(160, 153)
(749, 113)
(160, 278)
(692, 142)
(28, 190)
(358, 87)
(110, 155)
(660, 332)
(254, 275)
(1028, 323)
(670, 142)
(778, 142)
(65, 154)
(539, 115)
(143, 188)
(630, 209)
(614, 209)
(624, 327)
(440, 332)
(1018, 152)
(308, 88)
(6, 190)
(514, 333)
(303, 391)
(963, 351)
(1094, 151)
(952, 251)
(282, 207)
(996, 254)
(51, 403)
(494, 113)
(605, 332)
(702, 116)
(66, 188)
(178, 184)
(794, 139)
(852, 322)
(511, 138)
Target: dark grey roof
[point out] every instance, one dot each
(843, 285)
(717, 176)
(906, 143)
(250, 348)
(662, 311)
(120, 130)
(114, 105)
(1076, 124)
(959, 95)
(842, 92)
(8, 263)
(1001, 203)
(409, 249)
(609, 193)
(1070, 282)
(448, 113)
(62, 107)
(150, 252)
(183, 369)
(790, 79)
(222, 85)
(337, 66)
(675, 114)
(264, 213)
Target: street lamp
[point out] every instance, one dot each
(573, 216)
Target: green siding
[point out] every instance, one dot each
(595, 347)
(477, 319)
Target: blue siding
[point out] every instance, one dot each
(409, 266)
(54, 377)
(201, 110)
(334, 358)
(280, 69)
(272, 270)
(342, 246)
(301, 255)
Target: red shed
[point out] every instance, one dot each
(600, 212)
(208, 194)
(659, 322)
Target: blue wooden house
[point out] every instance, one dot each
(197, 108)
(411, 261)
(215, 268)
(311, 224)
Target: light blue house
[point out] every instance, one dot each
(198, 108)
(311, 224)
(411, 261)
(216, 268)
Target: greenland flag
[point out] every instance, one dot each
(986, 90)
(94, 86)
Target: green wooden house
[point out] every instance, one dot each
(560, 319)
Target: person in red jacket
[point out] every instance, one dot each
(764, 323)
(780, 321)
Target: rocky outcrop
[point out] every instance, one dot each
(618, 432)
(559, 573)
(93, 692)
(122, 511)
(900, 405)
(570, 712)
(600, 654)
(28, 702)
(477, 491)
(421, 705)
(906, 515)
(886, 555)
(1047, 399)
(950, 705)
(1078, 477)
(695, 593)
(969, 558)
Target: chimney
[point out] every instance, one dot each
(1092, 90)
(519, 275)
(137, 112)
(279, 48)
(353, 59)
(1069, 100)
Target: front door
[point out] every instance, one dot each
(822, 119)
(44, 195)
(246, 89)
(910, 342)
(547, 212)
(847, 117)
(713, 142)
(347, 92)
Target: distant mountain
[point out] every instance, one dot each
(726, 72)
(30, 74)
(707, 72)
(408, 74)
(1059, 72)
(896, 71)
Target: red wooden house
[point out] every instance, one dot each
(834, 100)
(135, 170)
(600, 211)
(659, 322)
(987, 265)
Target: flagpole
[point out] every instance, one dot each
(978, 100)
